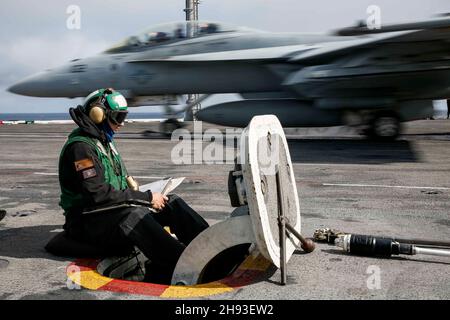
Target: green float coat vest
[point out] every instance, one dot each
(109, 158)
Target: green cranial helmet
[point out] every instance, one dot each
(106, 104)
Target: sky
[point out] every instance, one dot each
(34, 34)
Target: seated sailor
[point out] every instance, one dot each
(101, 203)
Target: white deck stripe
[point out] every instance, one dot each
(349, 185)
(381, 186)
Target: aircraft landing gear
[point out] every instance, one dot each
(384, 126)
(169, 126)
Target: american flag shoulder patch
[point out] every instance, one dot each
(83, 164)
(89, 173)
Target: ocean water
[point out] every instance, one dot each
(65, 116)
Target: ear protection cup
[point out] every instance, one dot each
(97, 113)
(97, 110)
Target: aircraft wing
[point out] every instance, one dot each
(330, 50)
(271, 53)
(282, 53)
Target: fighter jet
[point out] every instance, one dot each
(370, 79)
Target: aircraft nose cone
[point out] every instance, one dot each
(17, 88)
(34, 86)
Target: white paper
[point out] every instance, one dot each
(162, 186)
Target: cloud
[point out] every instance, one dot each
(32, 54)
(36, 52)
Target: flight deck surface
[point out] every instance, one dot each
(399, 189)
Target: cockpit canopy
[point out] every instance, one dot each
(171, 32)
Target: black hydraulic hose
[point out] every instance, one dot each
(383, 247)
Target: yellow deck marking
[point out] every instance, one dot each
(195, 291)
(258, 263)
(89, 279)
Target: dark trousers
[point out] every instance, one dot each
(138, 226)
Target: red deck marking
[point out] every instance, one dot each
(134, 287)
